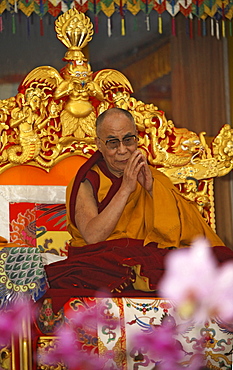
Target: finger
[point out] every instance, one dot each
(135, 159)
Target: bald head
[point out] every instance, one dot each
(110, 113)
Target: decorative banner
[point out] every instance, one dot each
(220, 11)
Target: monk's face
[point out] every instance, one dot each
(116, 126)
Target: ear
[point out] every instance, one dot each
(98, 143)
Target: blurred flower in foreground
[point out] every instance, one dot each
(69, 353)
(163, 344)
(11, 319)
(200, 287)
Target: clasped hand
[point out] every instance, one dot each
(137, 169)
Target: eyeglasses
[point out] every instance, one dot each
(115, 143)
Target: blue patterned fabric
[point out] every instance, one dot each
(22, 275)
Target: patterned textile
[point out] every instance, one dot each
(18, 203)
(121, 319)
(39, 225)
(21, 275)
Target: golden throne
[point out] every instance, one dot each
(47, 132)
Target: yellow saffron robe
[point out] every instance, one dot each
(167, 218)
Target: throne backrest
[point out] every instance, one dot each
(48, 131)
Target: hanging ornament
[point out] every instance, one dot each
(41, 27)
(185, 7)
(160, 24)
(147, 22)
(204, 28)
(28, 27)
(191, 26)
(109, 27)
(173, 27)
(173, 8)
(212, 27)
(121, 8)
(16, 7)
(122, 26)
(217, 30)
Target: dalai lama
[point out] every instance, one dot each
(124, 217)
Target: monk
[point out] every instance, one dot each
(124, 216)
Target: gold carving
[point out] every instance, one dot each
(195, 193)
(5, 358)
(53, 116)
(223, 150)
(47, 345)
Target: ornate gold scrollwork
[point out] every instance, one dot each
(53, 116)
(47, 345)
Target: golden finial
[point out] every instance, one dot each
(74, 30)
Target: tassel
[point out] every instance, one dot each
(212, 27)
(96, 24)
(41, 27)
(160, 22)
(203, 27)
(1, 24)
(187, 26)
(13, 25)
(191, 27)
(199, 27)
(217, 30)
(223, 21)
(173, 27)
(135, 24)
(122, 26)
(28, 26)
(147, 23)
(223, 29)
(15, 7)
(109, 27)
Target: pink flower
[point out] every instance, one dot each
(11, 319)
(161, 345)
(200, 286)
(68, 352)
